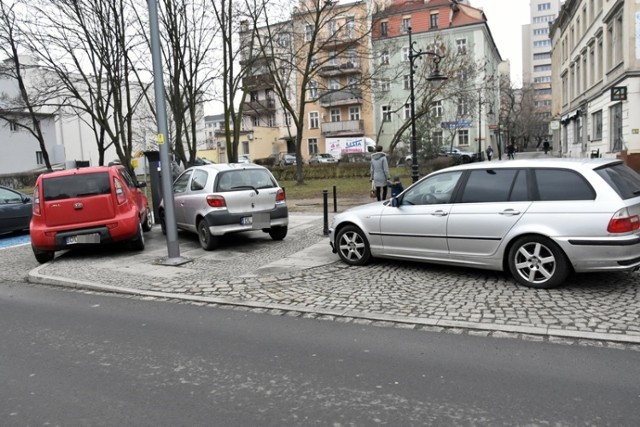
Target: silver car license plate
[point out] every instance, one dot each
(246, 220)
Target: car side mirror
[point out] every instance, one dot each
(26, 200)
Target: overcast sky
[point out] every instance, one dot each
(505, 19)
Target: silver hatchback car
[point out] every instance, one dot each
(218, 199)
(538, 219)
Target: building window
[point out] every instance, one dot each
(578, 131)
(406, 24)
(39, 158)
(542, 43)
(436, 109)
(255, 121)
(354, 113)
(405, 54)
(386, 113)
(334, 84)
(596, 120)
(543, 79)
(308, 32)
(313, 120)
(331, 27)
(436, 138)
(540, 68)
(245, 147)
(312, 144)
(253, 96)
(463, 137)
(544, 6)
(333, 57)
(335, 115)
(540, 31)
(540, 56)
(385, 85)
(351, 25)
(407, 111)
(313, 89)
(384, 57)
(287, 118)
(384, 28)
(461, 45)
(463, 107)
(13, 126)
(272, 121)
(407, 82)
(615, 114)
(433, 21)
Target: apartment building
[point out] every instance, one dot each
(536, 55)
(465, 112)
(596, 66)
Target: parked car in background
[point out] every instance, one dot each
(216, 200)
(464, 156)
(15, 210)
(322, 158)
(287, 159)
(243, 158)
(87, 206)
(538, 219)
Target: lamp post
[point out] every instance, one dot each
(435, 76)
(489, 113)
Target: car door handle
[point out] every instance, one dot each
(510, 212)
(439, 213)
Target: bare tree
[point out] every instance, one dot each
(26, 102)
(87, 45)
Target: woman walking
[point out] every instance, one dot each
(380, 172)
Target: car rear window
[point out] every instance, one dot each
(562, 184)
(80, 185)
(244, 179)
(624, 180)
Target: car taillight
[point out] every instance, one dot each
(280, 196)
(623, 222)
(121, 196)
(36, 201)
(216, 201)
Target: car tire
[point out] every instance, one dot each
(465, 159)
(43, 256)
(208, 241)
(353, 246)
(537, 262)
(146, 224)
(278, 233)
(137, 243)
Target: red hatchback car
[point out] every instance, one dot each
(87, 206)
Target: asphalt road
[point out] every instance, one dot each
(71, 358)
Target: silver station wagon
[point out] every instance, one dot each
(218, 199)
(540, 220)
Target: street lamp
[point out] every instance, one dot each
(489, 113)
(435, 76)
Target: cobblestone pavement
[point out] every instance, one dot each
(300, 275)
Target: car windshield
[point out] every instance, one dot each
(81, 185)
(244, 179)
(624, 180)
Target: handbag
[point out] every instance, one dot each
(372, 192)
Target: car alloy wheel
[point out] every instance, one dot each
(353, 246)
(537, 262)
(147, 224)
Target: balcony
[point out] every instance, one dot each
(258, 81)
(337, 40)
(257, 108)
(340, 69)
(348, 127)
(346, 96)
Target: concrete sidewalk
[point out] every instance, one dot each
(301, 275)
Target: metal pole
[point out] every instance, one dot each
(325, 211)
(479, 127)
(335, 199)
(414, 149)
(173, 248)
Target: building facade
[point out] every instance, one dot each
(466, 111)
(596, 66)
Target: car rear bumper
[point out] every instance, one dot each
(223, 222)
(608, 254)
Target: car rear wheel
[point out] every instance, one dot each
(537, 262)
(278, 233)
(146, 223)
(353, 246)
(42, 256)
(208, 241)
(137, 243)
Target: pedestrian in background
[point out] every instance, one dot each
(545, 145)
(396, 186)
(380, 172)
(511, 151)
(489, 151)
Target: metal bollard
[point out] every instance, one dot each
(335, 199)
(325, 206)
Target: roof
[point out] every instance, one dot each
(569, 163)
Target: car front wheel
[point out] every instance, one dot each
(537, 262)
(353, 246)
(208, 241)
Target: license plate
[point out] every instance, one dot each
(246, 220)
(82, 239)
